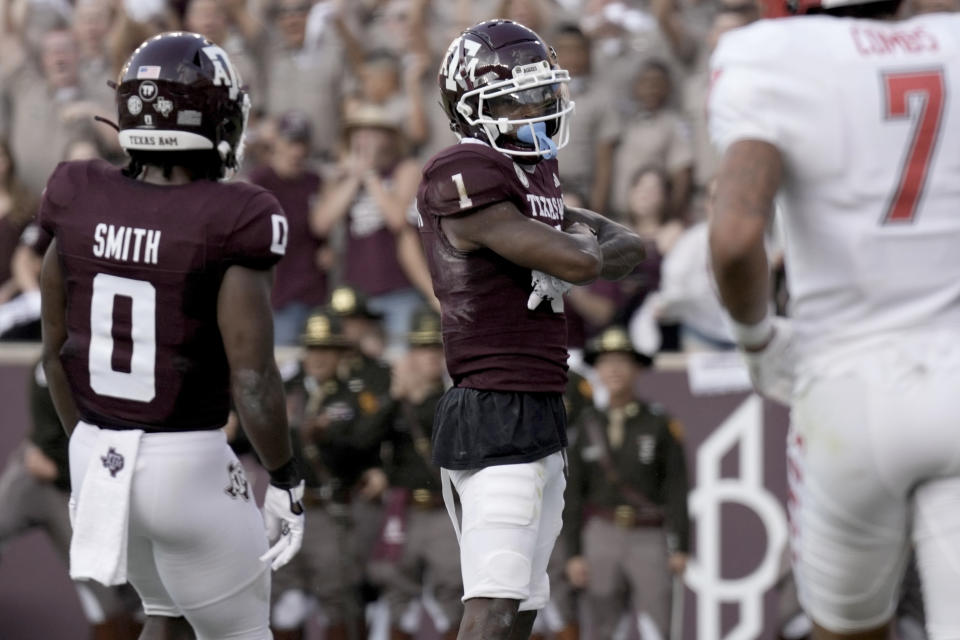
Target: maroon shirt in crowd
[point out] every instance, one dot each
(370, 254)
(491, 340)
(142, 265)
(298, 278)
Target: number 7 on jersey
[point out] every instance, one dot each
(898, 87)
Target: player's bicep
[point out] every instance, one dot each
(747, 183)
(245, 318)
(525, 242)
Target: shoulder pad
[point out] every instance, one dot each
(466, 177)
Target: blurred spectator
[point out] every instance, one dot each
(363, 328)
(92, 20)
(372, 193)
(687, 295)
(628, 486)
(694, 47)
(234, 29)
(624, 37)
(400, 26)
(47, 109)
(656, 136)
(380, 84)
(301, 279)
(648, 202)
(17, 207)
(648, 208)
(303, 79)
(20, 317)
(587, 164)
(34, 491)
(130, 28)
(539, 15)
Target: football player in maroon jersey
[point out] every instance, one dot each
(156, 305)
(502, 250)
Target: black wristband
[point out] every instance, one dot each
(287, 476)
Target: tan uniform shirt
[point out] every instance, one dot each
(595, 121)
(660, 139)
(309, 82)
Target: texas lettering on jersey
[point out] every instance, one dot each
(145, 264)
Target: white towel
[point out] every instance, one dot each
(98, 549)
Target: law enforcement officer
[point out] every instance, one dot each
(368, 376)
(34, 490)
(332, 425)
(418, 548)
(628, 484)
(363, 328)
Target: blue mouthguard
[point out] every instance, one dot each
(526, 133)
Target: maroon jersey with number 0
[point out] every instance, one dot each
(142, 266)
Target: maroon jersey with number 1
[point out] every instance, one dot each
(491, 340)
(142, 266)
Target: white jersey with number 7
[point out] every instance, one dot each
(866, 116)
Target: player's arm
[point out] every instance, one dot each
(246, 324)
(747, 183)
(621, 248)
(53, 318)
(572, 256)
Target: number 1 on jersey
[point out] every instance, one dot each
(465, 201)
(928, 87)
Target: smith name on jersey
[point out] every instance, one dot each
(144, 263)
(491, 340)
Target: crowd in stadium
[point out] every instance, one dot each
(344, 116)
(345, 112)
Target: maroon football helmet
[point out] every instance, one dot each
(179, 92)
(500, 83)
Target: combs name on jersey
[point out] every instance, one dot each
(544, 207)
(127, 244)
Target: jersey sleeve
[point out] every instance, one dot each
(461, 182)
(748, 93)
(36, 238)
(259, 238)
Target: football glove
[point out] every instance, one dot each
(547, 287)
(772, 369)
(283, 518)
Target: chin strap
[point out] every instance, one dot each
(109, 123)
(538, 130)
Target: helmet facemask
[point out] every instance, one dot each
(525, 115)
